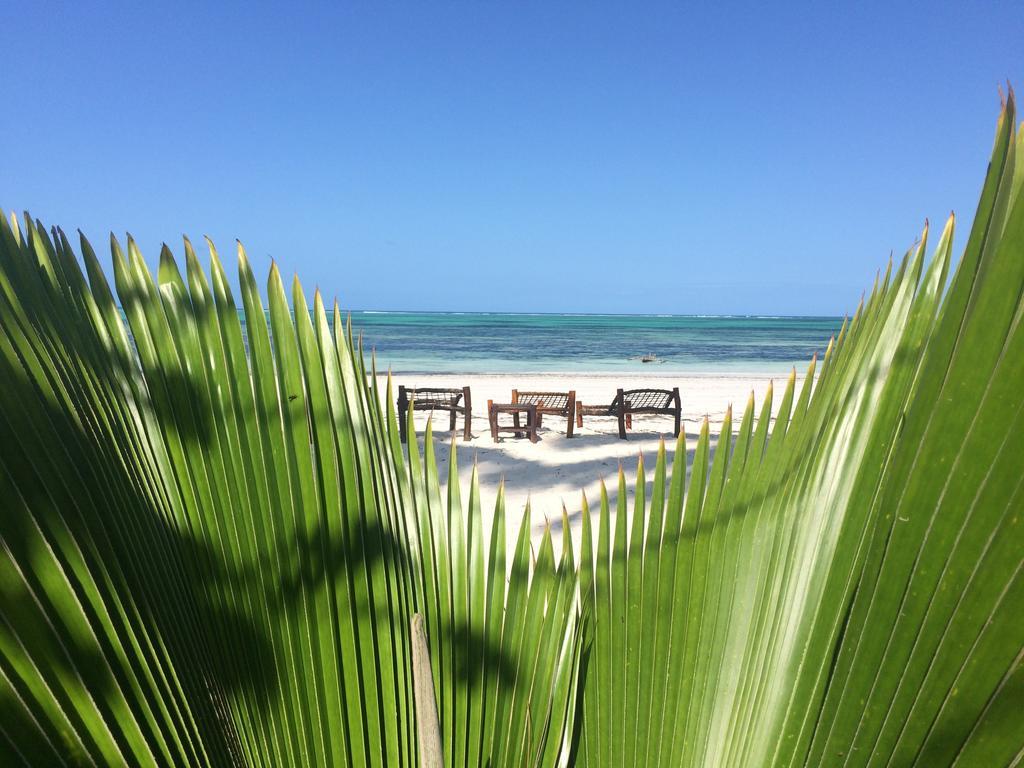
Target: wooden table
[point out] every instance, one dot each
(516, 409)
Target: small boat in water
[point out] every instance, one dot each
(649, 358)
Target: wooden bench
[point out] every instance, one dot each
(630, 401)
(434, 399)
(550, 403)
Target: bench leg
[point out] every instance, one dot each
(467, 433)
(452, 415)
(532, 424)
(403, 406)
(516, 424)
(570, 410)
(492, 418)
(679, 422)
(579, 415)
(622, 424)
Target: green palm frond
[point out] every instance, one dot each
(214, 549)
(846, 589)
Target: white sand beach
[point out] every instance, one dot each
(555, 470)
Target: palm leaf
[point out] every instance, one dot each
(846, 588)
(214, 548)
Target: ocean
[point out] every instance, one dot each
(474, 342)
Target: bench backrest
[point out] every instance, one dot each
(650, 400)
(432, 397)
(547, 401)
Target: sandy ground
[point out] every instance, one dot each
(555, 470)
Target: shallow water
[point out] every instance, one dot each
(465, 342)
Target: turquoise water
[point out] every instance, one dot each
(468, 342)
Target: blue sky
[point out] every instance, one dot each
(515, 156)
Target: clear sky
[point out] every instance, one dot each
(515, 156)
